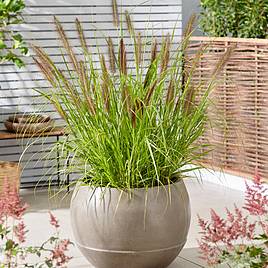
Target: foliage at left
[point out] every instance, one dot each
(12, 45)
(13, 252)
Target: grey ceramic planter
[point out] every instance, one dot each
(146, 230)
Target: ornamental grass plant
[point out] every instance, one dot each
(130, 125)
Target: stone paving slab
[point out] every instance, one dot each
(187, 259)
(192, 255)
(179, 263)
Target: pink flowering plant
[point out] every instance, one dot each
(13, 251)
(241, 239)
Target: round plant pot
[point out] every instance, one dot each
(144, 229)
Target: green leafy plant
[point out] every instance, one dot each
(236, 18)
(12, 46)
(130, 125)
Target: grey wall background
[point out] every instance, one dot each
(17, 94)
(190, 7)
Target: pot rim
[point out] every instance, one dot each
(180, 181)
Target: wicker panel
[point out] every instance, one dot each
(11, 172)
(239, 109)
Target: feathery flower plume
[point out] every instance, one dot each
(170, 92)
(130, 26)
(53, 220)
(66, 44)
(20, 231)
(112, 58)
(138, 49)
(256, 200)
(154, 50)
(150, 93)
(126, 99)
(85, 88)
(105, 85)
(81, 35)
(58, 256)
(122, 57)
(165, 54)
(10, 203)
(115, 13)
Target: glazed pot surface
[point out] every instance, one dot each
(146, 229)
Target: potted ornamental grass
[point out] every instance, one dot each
(133, 124)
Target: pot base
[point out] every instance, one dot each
(131, 259)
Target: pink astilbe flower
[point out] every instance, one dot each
(53, 221)
(20, 231)
(10, 203)
(223, 239)
(58, 255)
(264, 226)
(51, 253)
(256, 200)
(226, 231)
(209, 254)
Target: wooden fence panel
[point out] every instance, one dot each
(239, 110)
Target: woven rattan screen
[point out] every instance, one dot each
(238, 132)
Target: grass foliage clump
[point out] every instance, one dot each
(128, 127)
